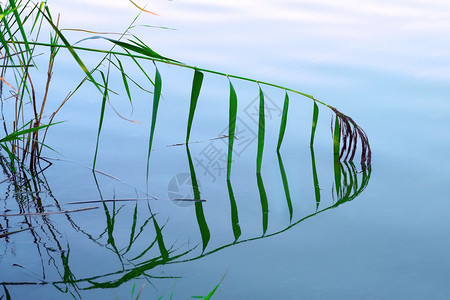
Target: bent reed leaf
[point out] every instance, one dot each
(264, 203)
(125, 81)
(336, 140)
(285, 186)
(196, 86)
(314, 124)
(315, 178)
(156, 98)
(102, 114)
(231, 127)
(261, 131)
(283, 121)
(201, 219)
(139, 48)
(234, 213)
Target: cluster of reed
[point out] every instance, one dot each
(26, 128)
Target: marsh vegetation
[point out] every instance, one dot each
(134, 235)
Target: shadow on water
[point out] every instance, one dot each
(146, 246)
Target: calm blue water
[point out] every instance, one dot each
(384, 63)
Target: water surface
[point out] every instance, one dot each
(384, 63)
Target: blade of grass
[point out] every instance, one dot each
(283, 121)
(203, 225)
(234, 213)
(336, 139)
(5, 13)
(231, 127)
(201, 220)
(196, 86)
(314, 123)
(315, 178)
(36, 19)
(133, 229)
(337, 164)
(110, 223)
(156, 98)
(264, 203)
(18, 133)
(160, 238)
(285, 186)
(125, 81)
(142, 49)
(12, 3)
(102, 114)
(261, 132)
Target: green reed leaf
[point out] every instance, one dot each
(231, 127)
(336, 139)
(234, 213)
(285, 186)
(314, 123)
(102, 114)
(264, 203)
(160, 238)
(201, 220)
(133, 229)
(196, 86)
(337, 163)
(139, 48)
(125, 81)
(110, 223)
(315, 179)
(156, 98)
(261, 132)
(5, 13)
(202, 224)
(283, 121)
(17, 135)
(12, 3)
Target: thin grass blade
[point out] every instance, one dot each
(196, 86)
(156, 98)
(147, 51)
(261, 132)
(160, 238)
(102, 114)
(201, 220)
(234, 213)
(283, 121)
(110, 222)
(18, 133)
(264, 203)
(133, 229)
(315, 179)
(12, 3)
(336, 139)
(125, 81)
(231, 127)
(314, 123)
(285, 186)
